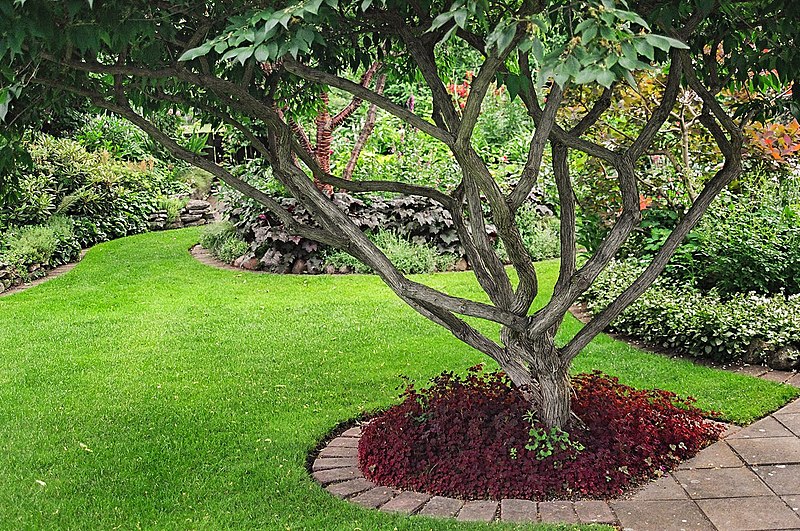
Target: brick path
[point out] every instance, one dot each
(749, 480)
(51, 274)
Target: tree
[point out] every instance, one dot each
(133, 58)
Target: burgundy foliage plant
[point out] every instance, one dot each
(473, 437)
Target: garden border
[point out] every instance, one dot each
(51, 274)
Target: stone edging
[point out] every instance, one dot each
(336, 469)
(51, 274)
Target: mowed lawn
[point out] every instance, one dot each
(146, 390)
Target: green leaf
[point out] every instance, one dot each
(262, 53)
(606, 78)
(194, 53)
(460, 17)
(644, 48)
(538, 50)
(312, 6)
(664, 43)
(440, 21)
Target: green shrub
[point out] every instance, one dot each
(51, 244)
(540, 234)
(409, 257)
(222, 241)
(104, 197)
(172, 206)
(702, 324)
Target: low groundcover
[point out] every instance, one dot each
(474, 437)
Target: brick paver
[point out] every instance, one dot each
(791, 421)
(478, 511)
(348, 488)
(715, 456)
(766, 427)
(557, 512)
(721, 483)
(733, 514)
(661, 515)
(351, 442)
(594, 512)
(375, 497)
(442, 507)
(407, 502)
(518, 511)
(768, 451)
(334, 462)
(332, 475)
(782, 479)
(665, 488)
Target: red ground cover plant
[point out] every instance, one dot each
(471, 437)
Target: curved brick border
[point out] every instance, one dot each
(750, 479)
(336, 469)
(51, 274)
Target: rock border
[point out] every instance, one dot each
(50, 274)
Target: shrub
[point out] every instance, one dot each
(222, 240)
(540, 234)
(469, 437)
(741, 327)
(407, 256)
(51, 244)
(105, 198)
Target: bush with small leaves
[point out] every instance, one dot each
(473, 437)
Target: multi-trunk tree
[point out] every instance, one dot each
(133, 58)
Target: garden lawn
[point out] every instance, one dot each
(144, 389)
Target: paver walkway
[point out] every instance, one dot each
(750, 480)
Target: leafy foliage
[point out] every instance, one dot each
(222, 240)
(743, 326)
(408, 257)
(49, 245)
(469, 437)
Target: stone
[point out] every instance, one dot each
(778, 376)
(792, 407)
(557, 512)
(334, 462)
(793, 502)
(594, 512)
(786, 358)
(198, 204)
(461, 265)
(299, 267)
(794, 380)
(661, 515)
(349, 488)
(2, 287)
(250, 263)
(750, 513)
(766, 427)
(518, 511)
(721, 483)
(791, 421)
(344, 441)
(338, 451)
(407, 502)
(330, 270)
(333, 475)
(352, 432)
(768, 450)
(753, 370)
(189, 218)
(665, 488)
(4, 273)
(375, 497)
(238, 262)
(756, 352)
(717, 455)
(344, 270)
(477, 511)
(34, 267)
(442, 507)
(782, 479)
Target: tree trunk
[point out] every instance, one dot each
(537, 368)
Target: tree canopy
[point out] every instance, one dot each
(253, 65)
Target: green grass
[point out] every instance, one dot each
(147, 390)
